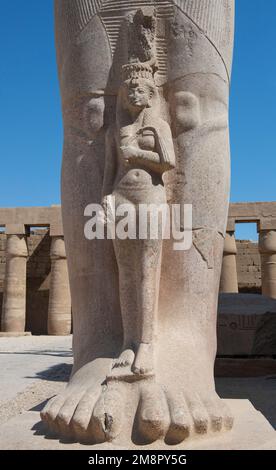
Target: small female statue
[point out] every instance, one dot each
(139, 149)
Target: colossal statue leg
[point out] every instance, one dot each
(84, 74)
(194, 51)
(199, 57)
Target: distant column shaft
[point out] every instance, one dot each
(14, 299)
(267, 248)
(59, 313)
(229, 277)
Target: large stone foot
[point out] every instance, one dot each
(144, 409)
(69, 414)
(194, 413)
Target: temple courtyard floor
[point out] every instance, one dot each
(35, 368)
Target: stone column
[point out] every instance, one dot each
(59, 313)
(229, 277)
(14, 299)
(267, 248)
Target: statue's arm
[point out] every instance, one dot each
(164, 158)
(164, 145)
(134, 155)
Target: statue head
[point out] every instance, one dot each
(138, 94)
(138, 86)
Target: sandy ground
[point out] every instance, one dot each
(35, 368)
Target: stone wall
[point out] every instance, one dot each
(2, 266)
(248, 267)
(38, 277)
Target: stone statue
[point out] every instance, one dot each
(144, 88)
(139, 149)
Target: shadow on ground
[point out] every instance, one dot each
(56, 373)
(39, 352)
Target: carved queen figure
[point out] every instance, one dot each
(144, 315)
(139, 149)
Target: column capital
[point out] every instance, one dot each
(16, 246)
(230, 247)
(57, 249)
(267, 241)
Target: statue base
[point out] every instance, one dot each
(251, 431)
(14, 334)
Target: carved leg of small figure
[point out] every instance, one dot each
(147, 282)
(125, 251)
(139, 268)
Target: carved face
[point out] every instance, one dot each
(139, 95)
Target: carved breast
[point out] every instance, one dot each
(146, 140)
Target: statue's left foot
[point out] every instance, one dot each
(144, 361)
(194, 413)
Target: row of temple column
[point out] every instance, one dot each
(59, 310)
(13, 319)
(267, 250)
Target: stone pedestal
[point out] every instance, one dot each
(14, 300)
(229, 277)
(59, 313)
(267, 248)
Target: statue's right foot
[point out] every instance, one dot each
(144, 361)
(125, 359)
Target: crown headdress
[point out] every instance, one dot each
(141, 45)
(138, 70)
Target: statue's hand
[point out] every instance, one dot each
(129, 153)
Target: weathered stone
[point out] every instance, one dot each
(14, 334)
(14, 299)
(248, 267)
(246, 325)
(59, 312)
(229, 275)
(144, 89)
(252, 211)
(251, 431)
(267, 248)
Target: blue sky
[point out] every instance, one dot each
(31, 128)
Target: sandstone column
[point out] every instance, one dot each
(229, 278)
(59, 312)
(267, 248)
(14, 300)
